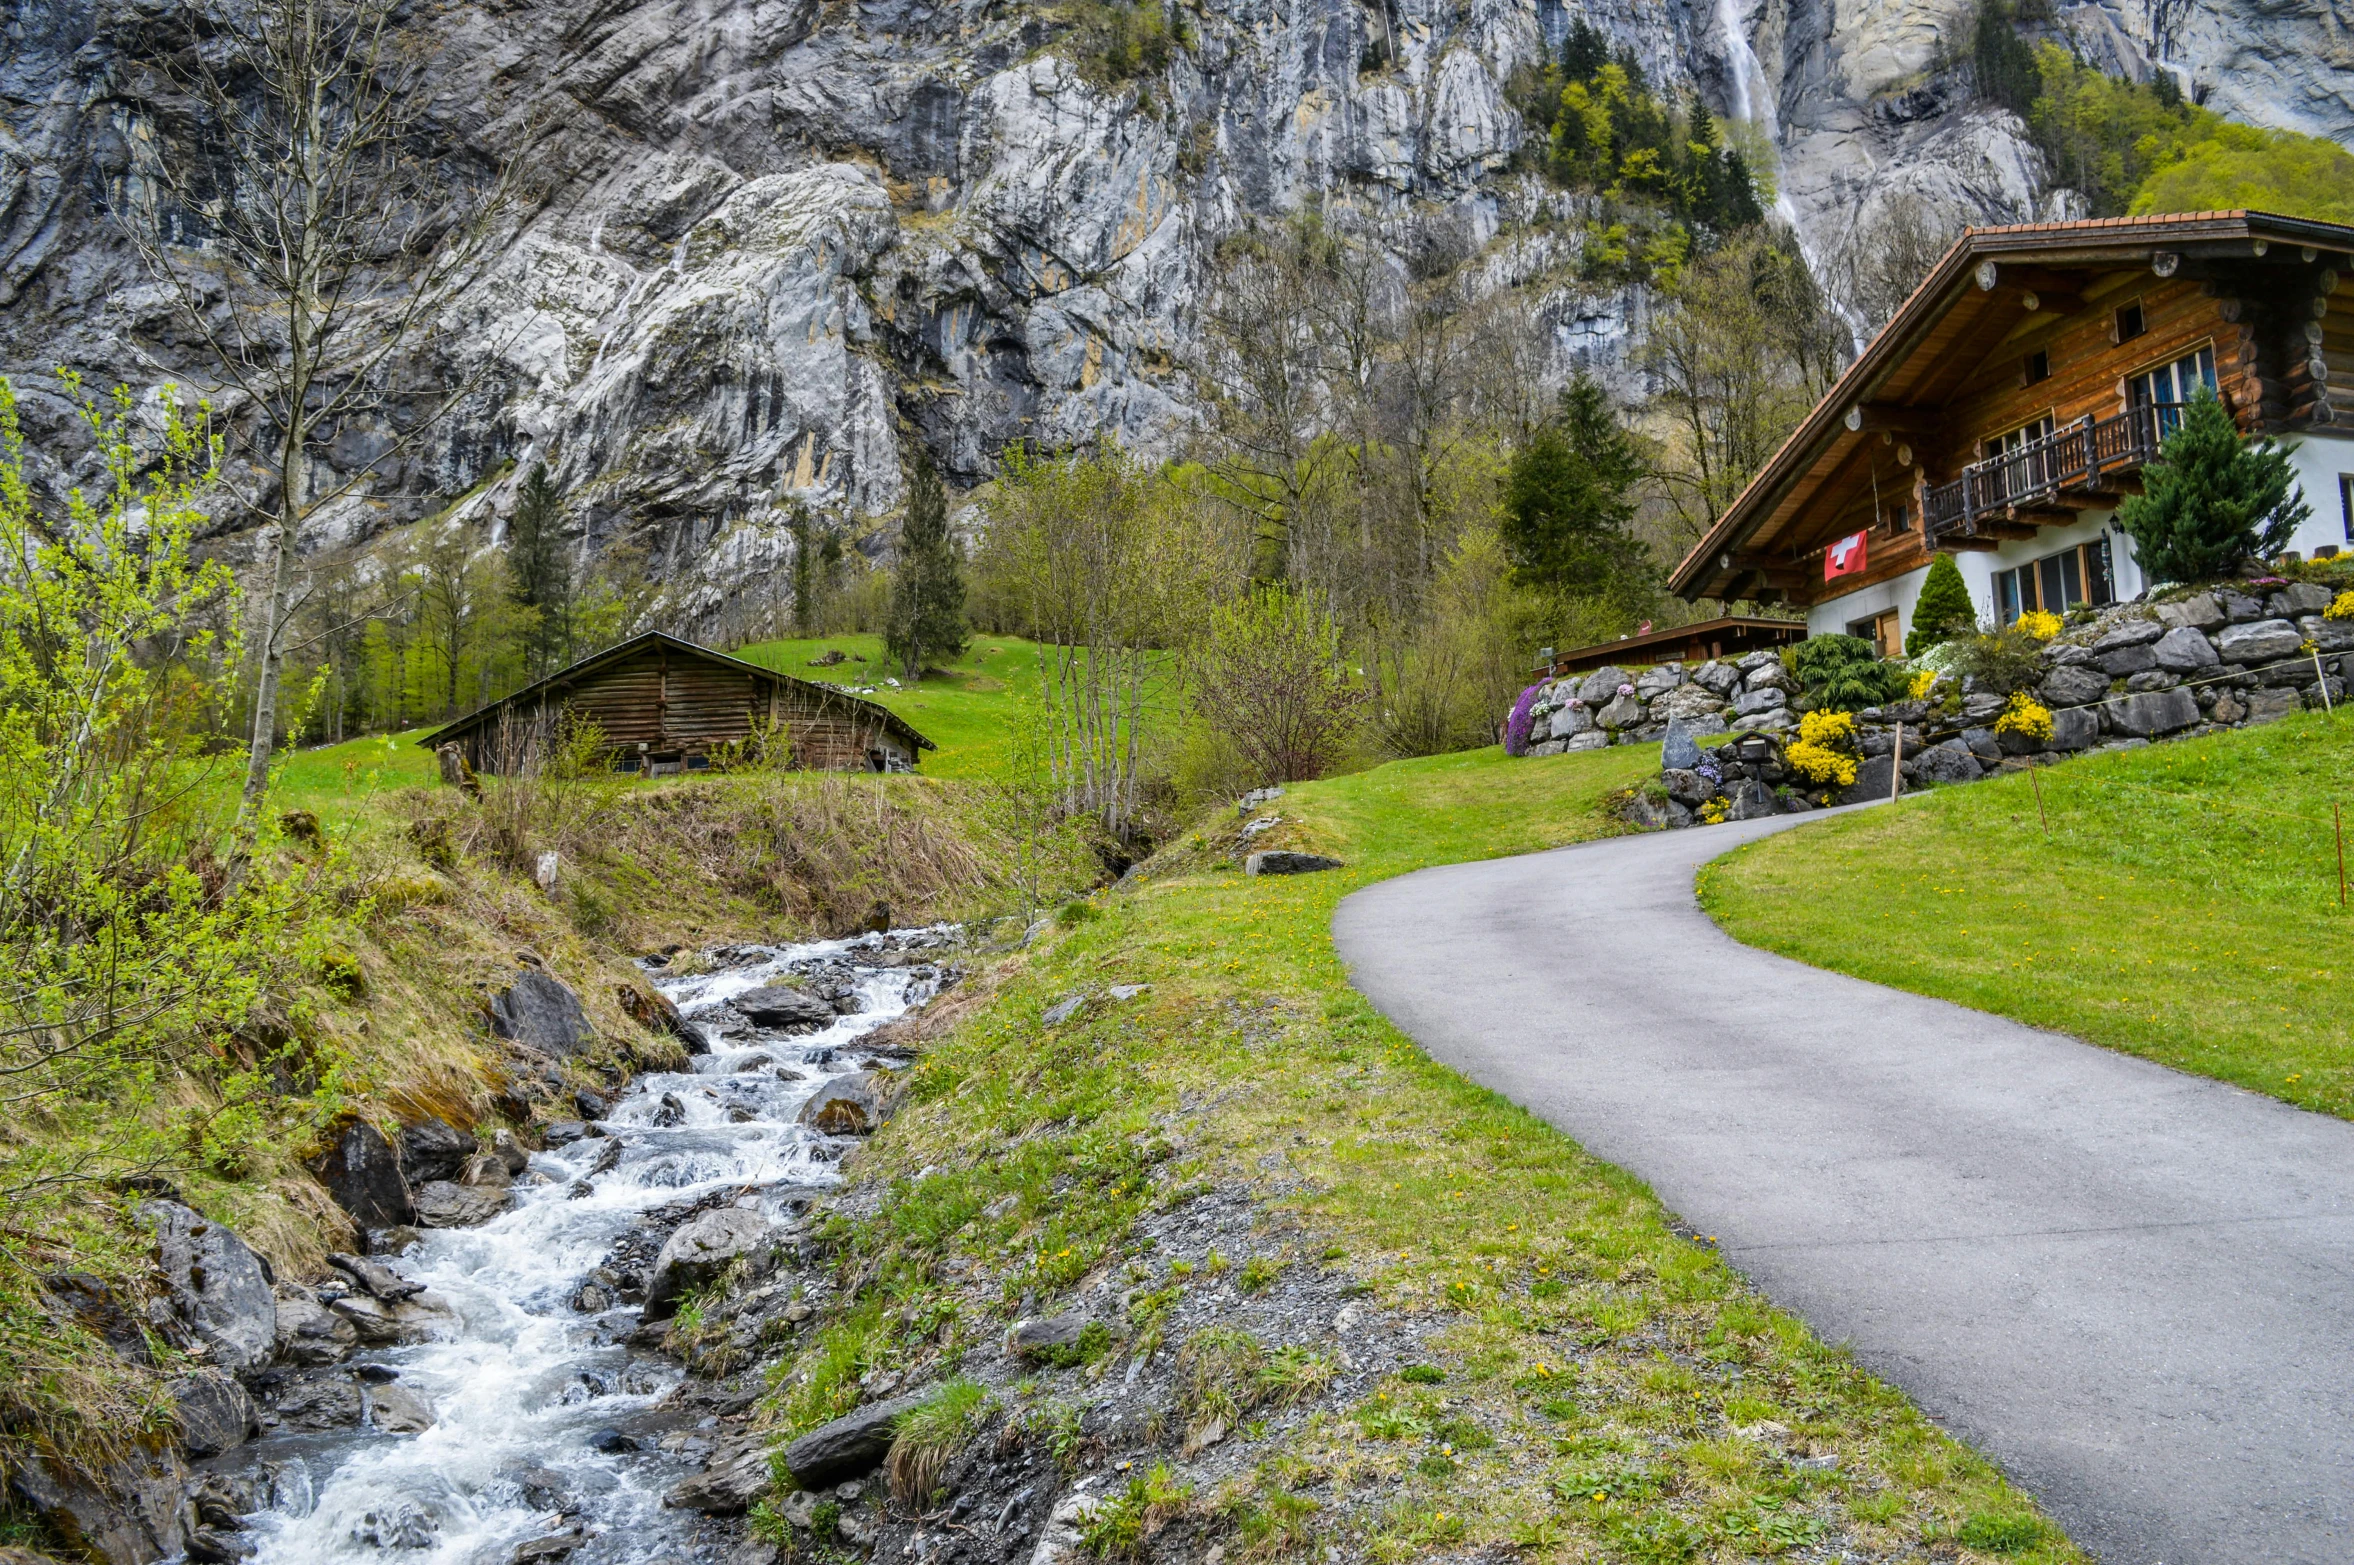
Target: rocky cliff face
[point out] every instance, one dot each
(766, 242)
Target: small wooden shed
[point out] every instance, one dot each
(667, 705)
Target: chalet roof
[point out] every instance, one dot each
(591, 664)
(1936, 339)
(1739, 629)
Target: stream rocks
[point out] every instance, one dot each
(362, 1174)
(849, 1447)
(845, 1106)
(699, 1251)
(539, 1011)
(784, 1010)
(127, 1512)
(219, 1288)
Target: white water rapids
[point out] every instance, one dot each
(524, 1381)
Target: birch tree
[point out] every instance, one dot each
(308, 245)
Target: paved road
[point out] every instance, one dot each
(2132, 1288)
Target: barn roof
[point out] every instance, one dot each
(614, 654)
(1904, 365)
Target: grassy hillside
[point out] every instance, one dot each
(1598, 1387)
(964, 708)
(2184, 906)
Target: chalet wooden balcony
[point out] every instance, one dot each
(2046, 481)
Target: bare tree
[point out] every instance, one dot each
(308, 244)
(1885, 255)
(1745, 345)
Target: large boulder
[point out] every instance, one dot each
(215, 1414)
(782, 1009)
(2271, 704)
(1620, 712)
(1686, 703)
(1600, 687)
(309, 1332)
(1873, 778)
(2327, 635)
(2077, 728)
(849, 1446)
(845, 1106)
(2199, 611)
(1679, 748)
(2183, 650)
(2078, 684)
(2131, 658)
(737, 1474)
(375, 1278)
(2130, 633)
(1768, 675)
(699, 1251)
(2152, 712)
(1658, 680)
(434, 1150)
(2258, 641)
(443, 1204)
(1751, 800)
(317, 1400)
(1716, 678)
(397, 1410)
(1950, 762)
(128, 1512)
(1569, 721)
(1277, 861)
(1686, 787)
(361, 1173)
(218, 1286)
(540, 1012)
(1752, 702)
(655, 1011)
(2299, 597)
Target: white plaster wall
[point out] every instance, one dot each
(1978, 567)
(2319, 460)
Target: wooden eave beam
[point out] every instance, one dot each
(1891, 418)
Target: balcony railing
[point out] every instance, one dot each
(2072, 460)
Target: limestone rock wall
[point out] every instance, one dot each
(766, 243)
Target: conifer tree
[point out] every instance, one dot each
(927, 595)
(2212, 501)
(1568, 500)
(539, 574)
(1943, 608)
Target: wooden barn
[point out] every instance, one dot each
(666, 705)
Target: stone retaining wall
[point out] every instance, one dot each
(2113, 679)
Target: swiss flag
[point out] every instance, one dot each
(1844, 558)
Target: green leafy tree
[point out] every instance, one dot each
(539, 576)
(2212, 501)
(1844, 673)
(1943, 610)
(2236, 166)
(1271, 674)
(927, 595)
(1569, 500)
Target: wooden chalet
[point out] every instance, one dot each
(2013, 401)
(666, 705)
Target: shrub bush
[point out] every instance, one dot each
(1943, 609)
(2005, 663)
(2212, 501)
(1843, 673)
(1824, 751)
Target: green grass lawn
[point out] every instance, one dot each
(2184, 906)
(1601, 1388)
(964, 708)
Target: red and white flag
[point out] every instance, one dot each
(1844, 558)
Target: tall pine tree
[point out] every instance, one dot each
(1943, 610)
(1568, 500)
(540, 576)
(927, 595)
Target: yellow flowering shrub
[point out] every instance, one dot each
(2025, 715)
(2040, 625)
(1714, 811)
(1822, 753)
(2341, 607)
(1924, 681)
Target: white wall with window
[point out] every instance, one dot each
(2325, 466)
(2059, 568)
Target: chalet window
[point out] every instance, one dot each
(2026, 474)
(2129, 321)
(2038, 367)
(2169, 386)
(2057, 582)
